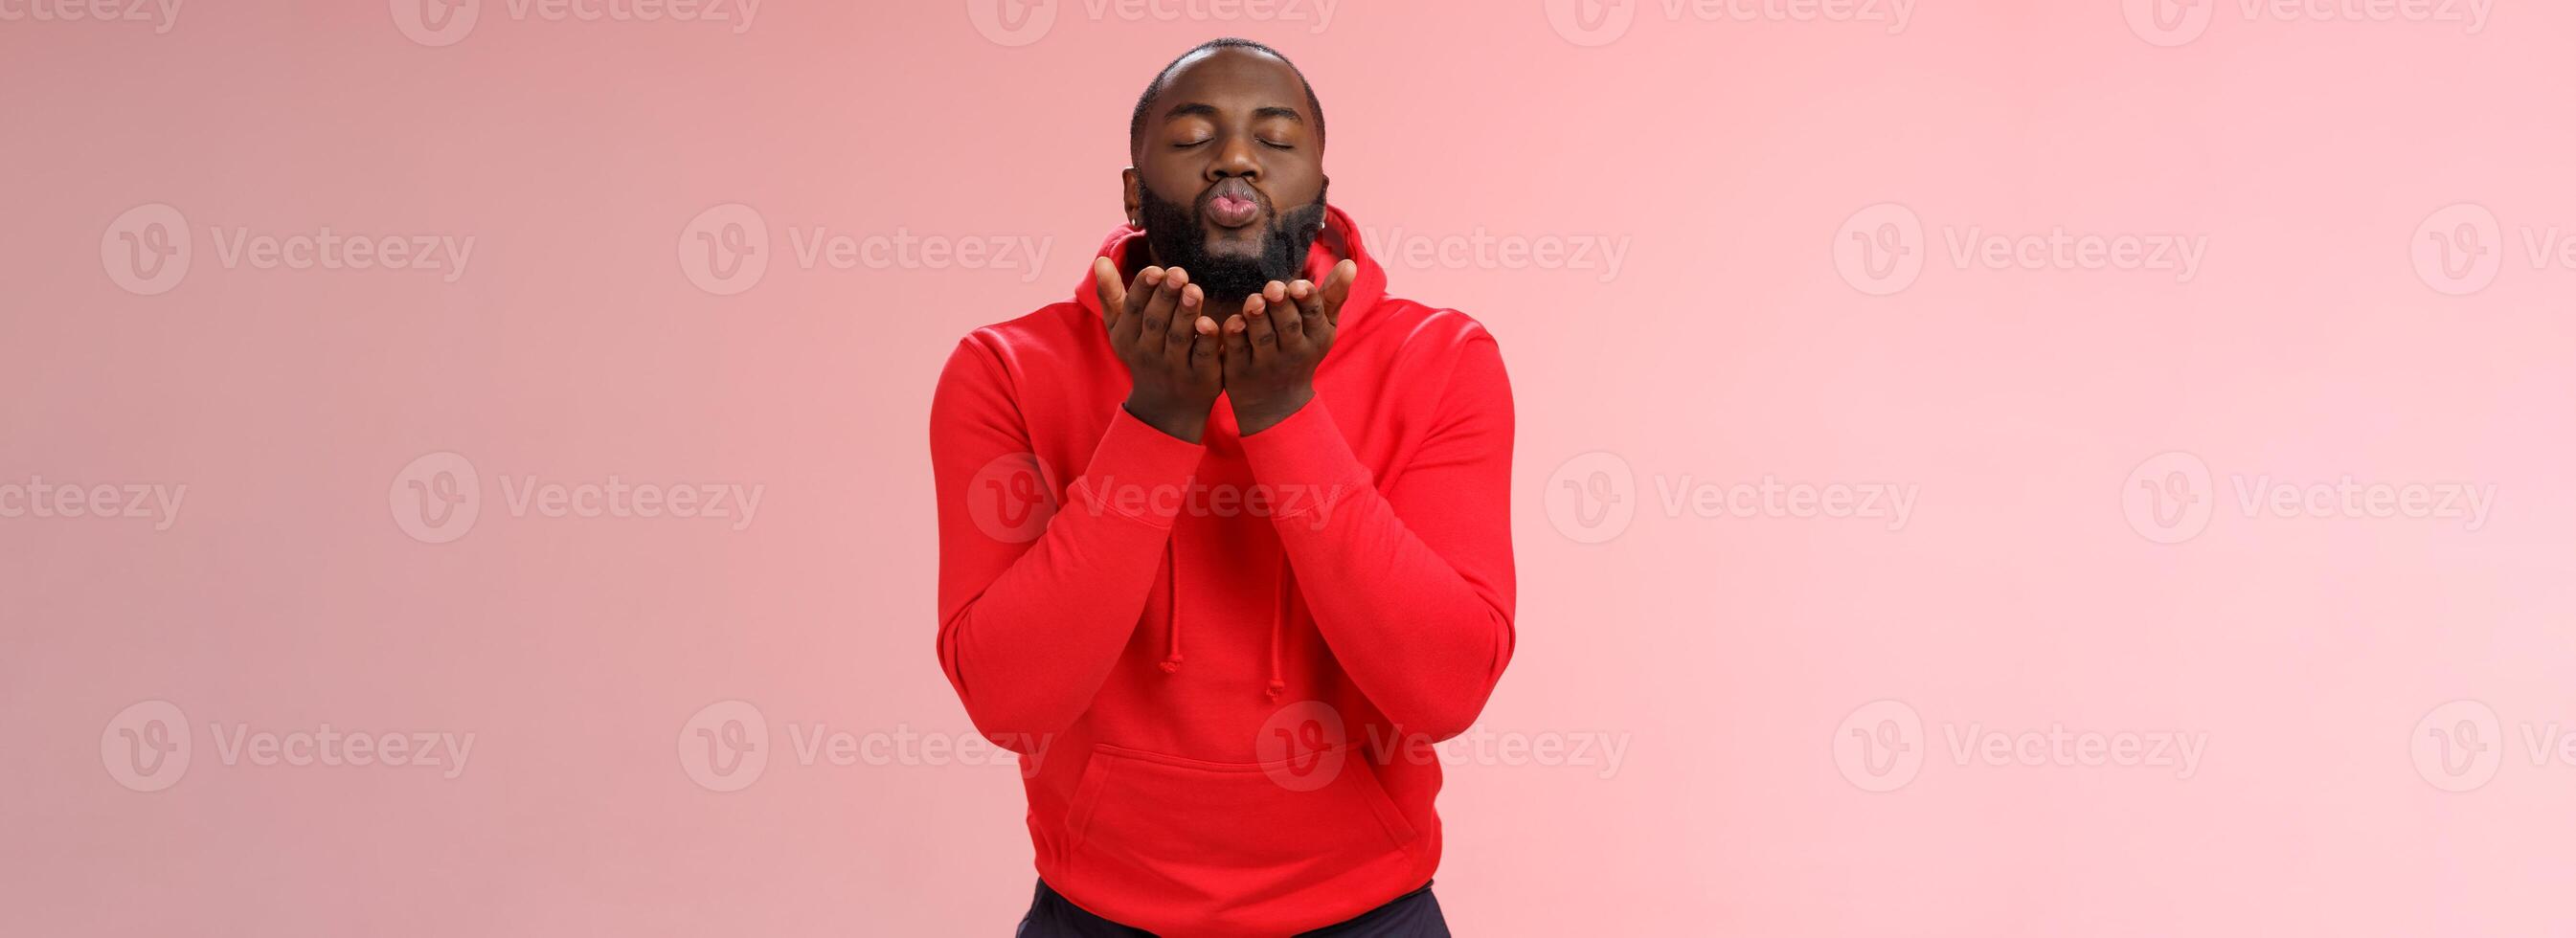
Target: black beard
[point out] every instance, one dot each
(1179, 239)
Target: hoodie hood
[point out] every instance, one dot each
(1339, 240)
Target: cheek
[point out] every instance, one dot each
(1297, 187)
(1172, 183)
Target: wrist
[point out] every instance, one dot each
(1254, 416)
(1175, 420)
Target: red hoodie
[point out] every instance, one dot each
(1223, 662)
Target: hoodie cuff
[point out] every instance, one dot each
(1305, 462)
(1133, 462)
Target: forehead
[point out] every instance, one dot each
(1232, 76)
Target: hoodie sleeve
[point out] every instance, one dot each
(1031, 619)
(1411, 586)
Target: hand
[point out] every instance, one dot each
(1168, 345)
(1273, 346)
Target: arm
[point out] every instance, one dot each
(1031, 619)
(1413, 587)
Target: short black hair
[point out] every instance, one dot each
(1154, 89)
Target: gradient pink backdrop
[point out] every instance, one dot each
(1732, 158)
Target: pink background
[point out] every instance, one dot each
(1731, 656)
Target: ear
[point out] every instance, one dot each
(1133, 184)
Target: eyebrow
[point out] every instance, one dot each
(1204, 109)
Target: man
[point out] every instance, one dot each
(1278, 562)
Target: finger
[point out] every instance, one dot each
(1140, 292)
(1238, 345)
(1309, 299)
(1154, 322)
(1112, 294)
(1337, 289)
(1185, 319)
(1284, 318)
(1142, 288)
(1257, 331)
(1310, 309)
(1204, 347)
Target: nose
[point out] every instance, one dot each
(1237, 156)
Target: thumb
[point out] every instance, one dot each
(1113, 295)
(1337, 288)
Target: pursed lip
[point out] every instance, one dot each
(1235, 192)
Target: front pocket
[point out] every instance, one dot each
(1236, 827)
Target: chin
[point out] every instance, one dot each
(1234, 247)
